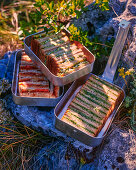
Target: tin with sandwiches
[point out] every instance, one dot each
(62, 61)
(30, 86)
(88, 108)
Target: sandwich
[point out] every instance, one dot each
(92, 106)
(32, 83)
(58, 53)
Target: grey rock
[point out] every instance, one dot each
(120, 151)
(129, 15)
(42, 120)
(118, 6)
(106, 23)
(132, 9)
(95, 16)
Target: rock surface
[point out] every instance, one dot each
(117, 152)
(105, 24)
(120, 151)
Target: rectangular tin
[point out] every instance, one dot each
(72, 131)
(30, 101)
(108, 76)
(60, 81)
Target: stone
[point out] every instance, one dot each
(132, 9)
(117, 150)
(118, 6)
(97, 17)
(4, 113)
(120, 151)
(7, 66)
(3, 68)
(105, 24)
(42, 120)
(129, 15)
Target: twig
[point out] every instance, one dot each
(114, 11)
(102, 44)
(5, 159)
(26, 131)
(22, 160)
(27, 16)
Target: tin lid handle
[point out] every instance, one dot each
(114, 58)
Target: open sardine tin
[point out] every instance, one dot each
(56, 80)
(75, 132)
(30, 101)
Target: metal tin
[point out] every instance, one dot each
(60, 81)
(72, 131)
(108, 76)
(30, 101)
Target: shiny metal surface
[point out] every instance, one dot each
(30, 101)
(112, 63)
(60, 81)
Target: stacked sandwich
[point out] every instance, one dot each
(32, 83)
(61, 56)
(92, 106)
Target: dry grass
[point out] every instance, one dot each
(19, 144)
(8, 42)
(9, 24)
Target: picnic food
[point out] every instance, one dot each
(92, 105)
(61, 56)
(32, 83)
